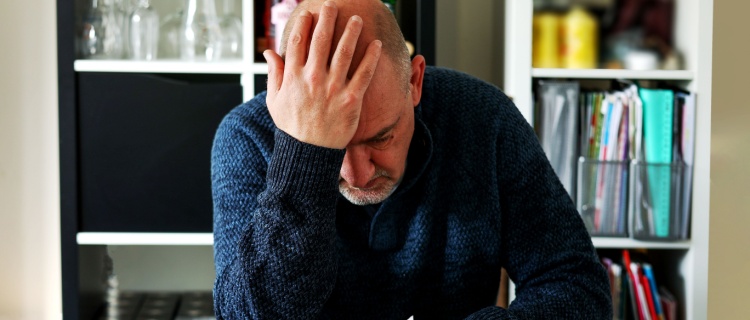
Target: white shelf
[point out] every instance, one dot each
(628, 243)
(145, 238)
(161, 66)
(612, 74)
(259, 68)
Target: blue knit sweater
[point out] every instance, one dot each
(478, 194)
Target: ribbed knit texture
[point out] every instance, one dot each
(478, 194)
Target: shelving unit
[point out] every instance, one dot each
(145, 238)
(693, 38)
(677, 75)
(134, 143)
(161, 66)
(629, 243)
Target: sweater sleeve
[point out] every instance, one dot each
(274, 225)
(547, 251)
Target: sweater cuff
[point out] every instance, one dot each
(303, 170)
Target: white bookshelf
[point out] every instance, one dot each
(629, 243)
(677, 75)
(145, 238)
(246, 67)
(160, 66)
(693, 38)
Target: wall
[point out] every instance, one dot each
(729, 253)
(29, 184)
(470, 37)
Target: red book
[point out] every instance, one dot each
(633, 283)
(649, 298)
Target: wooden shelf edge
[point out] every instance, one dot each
(144, 238)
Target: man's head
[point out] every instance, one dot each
(375, 159)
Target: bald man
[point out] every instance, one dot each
(364, 185)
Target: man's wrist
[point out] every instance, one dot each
(303, 169)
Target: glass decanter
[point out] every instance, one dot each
(231, 31)
(200, 38)
(144, 32)
(102, 34)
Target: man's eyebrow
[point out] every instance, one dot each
(382, 132)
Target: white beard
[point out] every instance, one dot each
(374, 195)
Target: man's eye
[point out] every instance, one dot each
(382, 142)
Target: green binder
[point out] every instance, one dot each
(658, 109)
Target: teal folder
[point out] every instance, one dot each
(658, 110)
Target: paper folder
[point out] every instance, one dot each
(658, 109)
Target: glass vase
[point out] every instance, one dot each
(101, 36)
(200, 36)
(170, 32)
(231, 31)
(144, 32)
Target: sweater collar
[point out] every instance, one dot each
(386, 228)
(419, 156)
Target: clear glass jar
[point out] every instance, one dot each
(144, 32)
(101, 36)
(231, 31)
(170, 32)
(200, 38)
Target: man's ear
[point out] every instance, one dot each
(417, 75)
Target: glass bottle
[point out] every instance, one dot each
(231, 31)
(200, 38)
(170, 34)
(124, 8)
(144, 32)
(102, 36)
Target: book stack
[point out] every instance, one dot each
(132, 305)
(625, 155)
(607, 139)
(635, 293)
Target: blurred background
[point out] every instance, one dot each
(469, 38)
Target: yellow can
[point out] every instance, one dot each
(580, 39)
(545, 51)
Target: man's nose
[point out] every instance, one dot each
(358, 167)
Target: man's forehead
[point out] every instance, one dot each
(376, 120)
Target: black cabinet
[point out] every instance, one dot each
(145, 144)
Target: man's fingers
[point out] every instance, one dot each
(275, 72)
(366, 69)
(342, 58)
(296, 45)
(320, 46)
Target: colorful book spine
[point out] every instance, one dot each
(648, 271)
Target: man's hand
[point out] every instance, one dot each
(309, 100)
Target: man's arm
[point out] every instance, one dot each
(274, 249)
(548, 252)
(550, 255)
(275, 231)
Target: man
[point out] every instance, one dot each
(364, 185)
